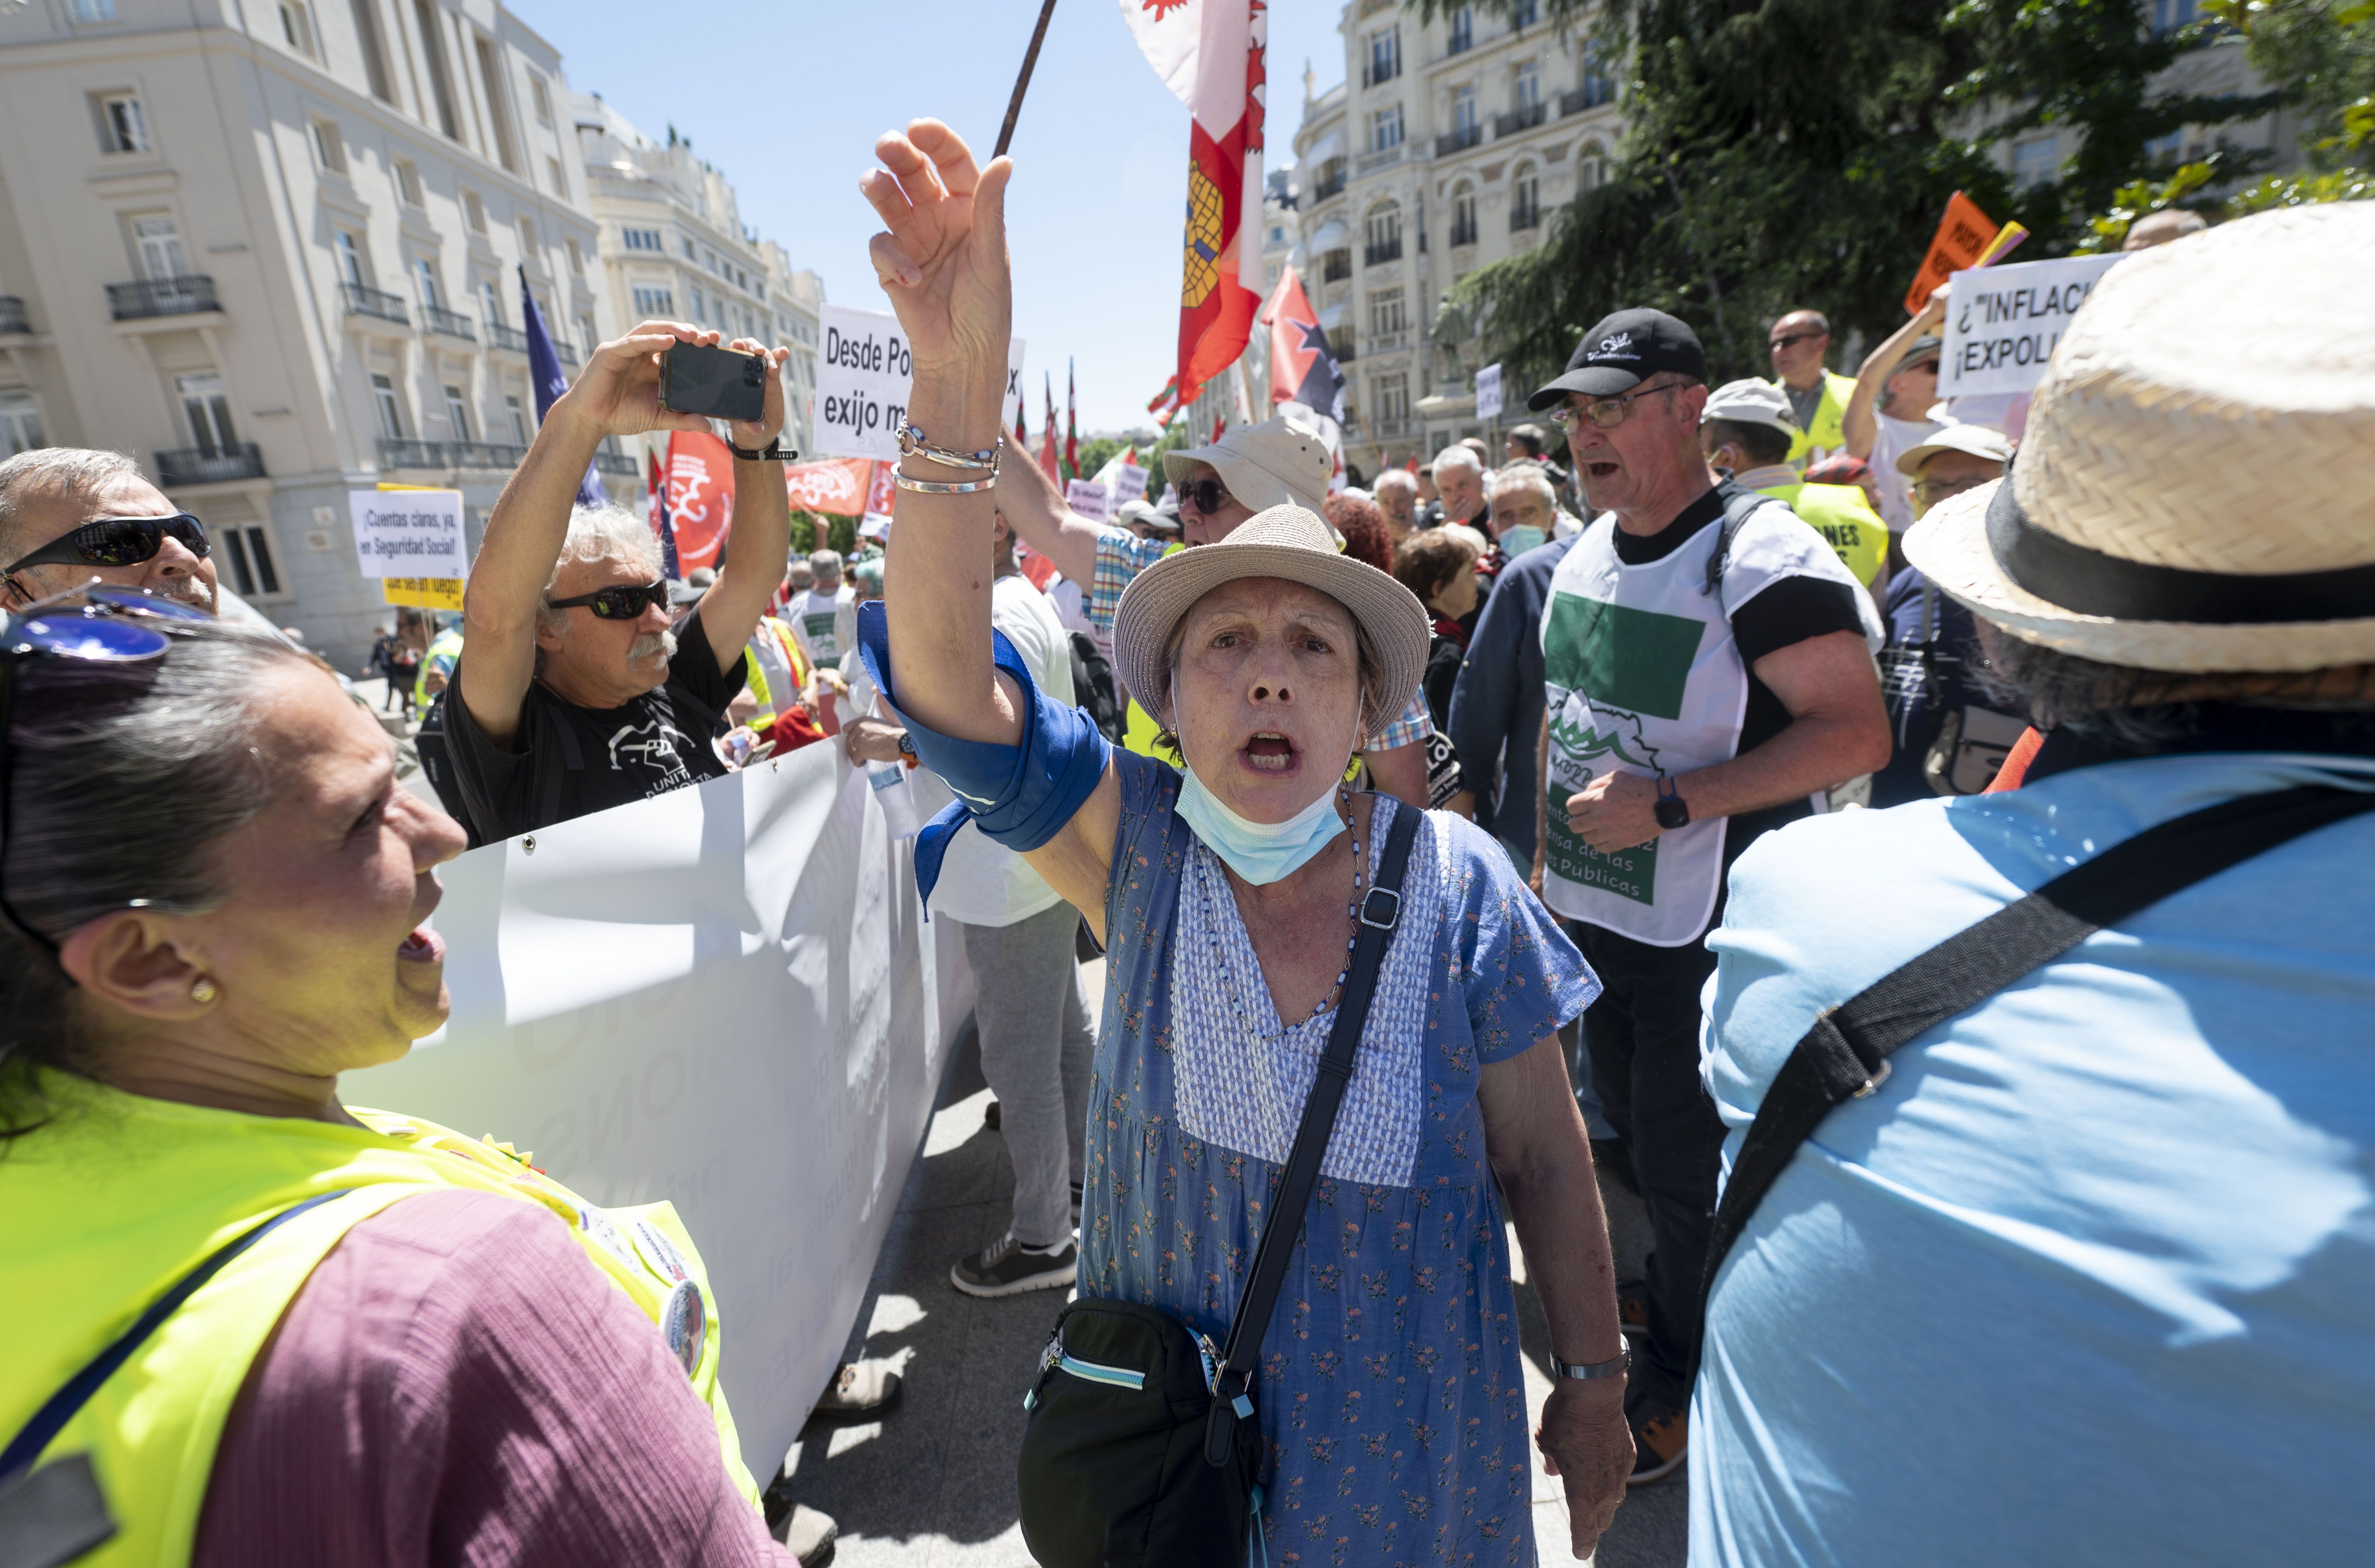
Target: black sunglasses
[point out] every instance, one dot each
(625, 602)
(1787, 338)
(117, 541)
(113, 626)
(1206, 494)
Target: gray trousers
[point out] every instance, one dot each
(1036, 1052)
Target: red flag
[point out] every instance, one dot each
(1071, 423)
(1303, 366)
(839, 486)
(1208, 52)
(699, 496)
(1167, 399)
(1022, 436)
(1218, 424)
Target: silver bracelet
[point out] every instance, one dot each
(929, 486)
(912, 443)
(1617, 1367)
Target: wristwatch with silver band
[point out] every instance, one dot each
(1617, 1367)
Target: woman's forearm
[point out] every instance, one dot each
(1535, 1139)
(936, 582)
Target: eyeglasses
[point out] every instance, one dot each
(1208, 495)
(117, 541)
(1605, 412)
(1929, 493)
(114, 626)
(1788, 339)
(626, 602)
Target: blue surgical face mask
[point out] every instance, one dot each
(1261, 852)
(1517, 541)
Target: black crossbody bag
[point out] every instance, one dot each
(1142, 1447)
(1845, 1055)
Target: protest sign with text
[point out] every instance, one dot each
(1128, 483)
(1089, 498)
(409, 533)
(864, 368)
(2002, 321)
(1488, 392)
(1962, 238)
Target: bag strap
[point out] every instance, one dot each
(52, 1417)
(1380, 912)
(1738, 508)
(1845, 1055)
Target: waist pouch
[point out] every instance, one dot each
(1142, 1448)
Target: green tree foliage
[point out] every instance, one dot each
(1782, 154)
(2320, 54)
(1097, 453)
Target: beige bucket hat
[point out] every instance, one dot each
(1283, 461)
(2191, 492)
(1293, 542)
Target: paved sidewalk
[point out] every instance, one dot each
(931, 1485)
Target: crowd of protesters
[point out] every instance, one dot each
(1705, 724)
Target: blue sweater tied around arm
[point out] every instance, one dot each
(1019, 795)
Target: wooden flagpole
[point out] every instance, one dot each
(1023, 82)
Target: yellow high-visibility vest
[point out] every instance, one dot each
(1827, 431)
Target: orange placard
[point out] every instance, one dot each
(1963, 237)
(838, 485)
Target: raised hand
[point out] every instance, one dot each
(943, 261)
(619, 391)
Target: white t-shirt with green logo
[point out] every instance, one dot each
(826, 624)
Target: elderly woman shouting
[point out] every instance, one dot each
(245, 1324)
(1379, 1410)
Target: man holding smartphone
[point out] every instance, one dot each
(574, 694)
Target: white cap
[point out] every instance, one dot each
(1751, 402)
(1979, 440)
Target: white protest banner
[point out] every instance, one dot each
(1488, 392)
(724, 997)
(1089, 498)
(1128, 483)
(409, 533)
(864, 368)
(2002, 321)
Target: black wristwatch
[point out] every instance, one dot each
(772, 453)
(1673, 810)
(907, 746)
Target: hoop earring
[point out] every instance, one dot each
(202, 990)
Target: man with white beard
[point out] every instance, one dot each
(68, 515)
(574, 694)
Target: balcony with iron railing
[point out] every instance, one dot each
(1457, 140)
(1346, 351)
(1384, 158)
(449, 457)
(1462, 37)
(509, 339)
(13, 318)
(191, 294)
(1523, 216)
(1518, 120)
(448, 323)
(361, 299)
(1463, 232)
(565, 350)
(1594, 92)
(1330, 185)
(1335, 267)
(209, 464)
(1380, 71)
(1379, 252)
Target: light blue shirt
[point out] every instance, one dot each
(2091, 1278)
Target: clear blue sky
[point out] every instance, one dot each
(787, 101)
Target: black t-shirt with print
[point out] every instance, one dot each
(566, 762)
(1788, 611)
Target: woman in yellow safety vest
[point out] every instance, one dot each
(245, 1322)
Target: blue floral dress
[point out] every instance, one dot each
(1391, 1399)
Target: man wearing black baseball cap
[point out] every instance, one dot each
(1710, 676)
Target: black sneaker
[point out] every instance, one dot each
(1006, 1268)
(989, 1117)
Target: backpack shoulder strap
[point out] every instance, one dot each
(1738, 508)
(1845, 1055)
(1380, 912)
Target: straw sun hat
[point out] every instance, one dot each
(2193, 492)
(1291, 542)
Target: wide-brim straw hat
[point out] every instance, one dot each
(1291, 542)
(2191, 494)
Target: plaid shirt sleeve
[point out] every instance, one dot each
(1412, 727)
(1121, 556)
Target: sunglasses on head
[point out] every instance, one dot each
(117, 541)
(1206, 495)
(625, 602)
(114, 626)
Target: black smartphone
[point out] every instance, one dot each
(718, 383)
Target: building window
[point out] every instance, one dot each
(1524, 198)
(1385, 234)
(20, 424)
(458, 413)
(252, 572)
(295, 27)
(207, 410)
(1524, 14)
(491, 301)
(689, 254)
(123, 127)
(499, 103)
(587, 334)
(1464, 216)
(408, 182)
(94, 10)
(700, 306)
(554, 178)
(1462, 35)
(1335, 267)
(2035, 162)
(576, 257)
(474, 212)
(424, 282)
(389, 406)
(1385, 129)
(2170, 15)
(517, 416)
(351, 259)
(643, 240)
(374, 53)
(1385, 57)
(431, 18)
(527, 239)
(1463, 114)
(329, 146)
(1598, 88)
(1590, 168)
(1389, 398)
(541, 96)
(1528, 89)
(654, 304)
(160, 243)
(1386, 312)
